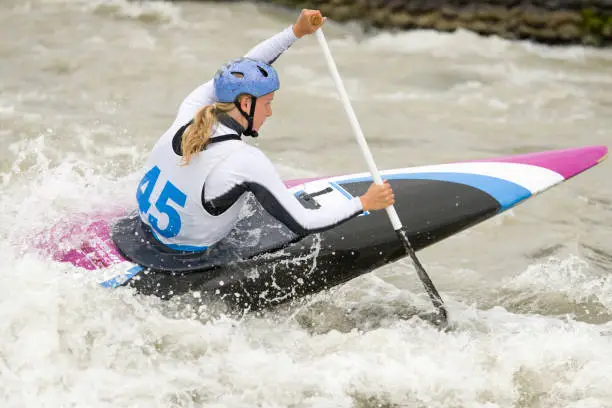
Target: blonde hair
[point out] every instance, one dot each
(197, 135)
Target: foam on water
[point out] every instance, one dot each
(567, 281)
(145, 11)
(463, 42)
(450, 45)
(66, 341)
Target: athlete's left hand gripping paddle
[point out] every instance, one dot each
(442, 314)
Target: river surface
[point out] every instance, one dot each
(87, 87)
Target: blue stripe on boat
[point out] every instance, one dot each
(341, 190)
(121, 279)
(507, 193)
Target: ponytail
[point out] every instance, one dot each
(197, 135)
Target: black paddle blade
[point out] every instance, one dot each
(442, 315)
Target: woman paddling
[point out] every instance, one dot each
(198, 173)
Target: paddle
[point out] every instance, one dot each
(442, 318)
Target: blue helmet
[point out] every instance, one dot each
(244, 75)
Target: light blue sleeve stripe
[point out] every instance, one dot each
(507, 193)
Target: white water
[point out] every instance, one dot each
(87, 87)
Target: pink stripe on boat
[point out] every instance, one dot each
(84, 244)
(291, 183)
(566, 162)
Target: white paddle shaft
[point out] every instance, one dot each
(363, 144)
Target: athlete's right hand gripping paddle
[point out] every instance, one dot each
(442, 315)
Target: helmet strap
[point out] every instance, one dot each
(249, 117)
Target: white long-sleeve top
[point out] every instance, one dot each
(193, 207)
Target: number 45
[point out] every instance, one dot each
(170, 193)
